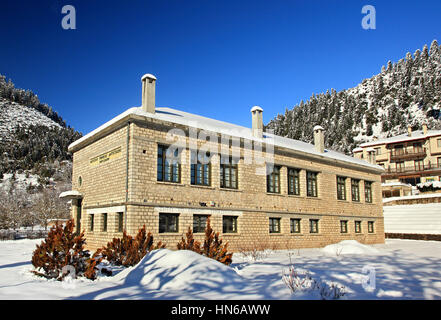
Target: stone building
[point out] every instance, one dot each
(170, 170)
(411, 158)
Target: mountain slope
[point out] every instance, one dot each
(404, 93)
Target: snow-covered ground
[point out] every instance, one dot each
(404, 269)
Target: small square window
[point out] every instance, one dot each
(313, 226)
(295, 226)
(343, 226)
(229, 224)
(199, 223)
(274, 225)
(168, 222)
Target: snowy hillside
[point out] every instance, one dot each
(13, 115)
(404, 93)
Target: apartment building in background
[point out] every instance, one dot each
(407, 159)
(127, 173)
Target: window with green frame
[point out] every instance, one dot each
(368, 191)
(295, 225)
(273, 179)
(293, 181)
(370, 226)
(341, 188)
(228, 173)
(355, 190)
(274, 225)
(199, 223)
(343, 226)
(200, 169)
(168, 166)
(229, 224)
(311, 184)
(168, 222)
(313, 226)
(357, 226)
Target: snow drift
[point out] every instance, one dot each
(349, 247)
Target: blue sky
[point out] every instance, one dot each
(213, 58)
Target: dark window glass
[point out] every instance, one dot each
(168, 168)
(200, 170)
(311, 184)
(228, 174)
(273, 179)
(91, 221)
(357, 226)
(274, 225)
(295, 226)
(368, 191)
(120, 221)
(229, 224)
(344, 226)
(168, 222)
(370, 226)
(104, 221)
(313, 225)
(293, 181)
(199, 223)
(355, 189)
(341, 188)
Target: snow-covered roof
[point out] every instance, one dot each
(71, 194)
(416, 135)
(204, 123)
(256, 108)
(358, 149)
(395, 184)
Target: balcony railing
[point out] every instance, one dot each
(413, 169)
(402, 154)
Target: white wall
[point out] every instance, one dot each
(416, 218)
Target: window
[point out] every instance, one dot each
(368, 191)
(274, 225)
(273, 179)
(377, 151)
(200, 170)
(91, 222)
(294, 181)
(313, 226)
(357, 226)
(169, 169)
(417, 147)
(104, 222)
(199, 223)
(400, 166)
(311, 184)
(229, 224)
(343, 226)
(355, 188)
(295, 226)
(438, 143)
(120, 221)
(419, 165)
(341, 188)
(439, 162)
(228, 174)
(168, 222)
(370, 226)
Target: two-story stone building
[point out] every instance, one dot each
(255, 187)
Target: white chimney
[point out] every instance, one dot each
(148, 92)
(425, 128)
(319, 139)
(257, 121)
(409, 131)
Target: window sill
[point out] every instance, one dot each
(231, 234)
(230, 189)
(170, 234)
(166, 183)
(313, 198)
(201, 186)
(274, 194)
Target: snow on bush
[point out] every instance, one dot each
(429, 186)
(349, 247)
(301, 281)
(181, 270)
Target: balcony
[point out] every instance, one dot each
(407, 154)
(413, 170)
